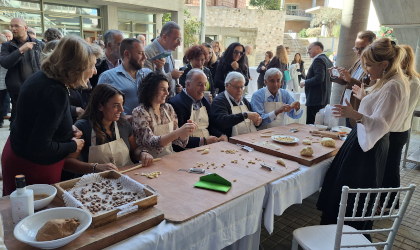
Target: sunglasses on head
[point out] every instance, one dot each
(238, 52)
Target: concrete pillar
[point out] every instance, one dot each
(110, 17)
(158, 25)
(313, 3)
(178, 17)
(416, 120)
(354, 19)
(203, 21)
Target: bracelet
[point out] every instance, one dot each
(143, 151)
(94, 167)
(205, 141)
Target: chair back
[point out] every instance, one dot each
(365, 215)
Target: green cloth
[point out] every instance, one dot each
(214, 182)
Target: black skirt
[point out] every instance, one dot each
(356, 169)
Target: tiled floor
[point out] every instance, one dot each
(306, 214)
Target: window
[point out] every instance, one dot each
(133, 24)
(291, 7)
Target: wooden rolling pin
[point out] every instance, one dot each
(333, 135)
(137, 167)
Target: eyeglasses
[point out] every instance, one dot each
(17, 26)
(236, 87)
(357, 50)
(238, 52)
(216, 46)
(178, 40)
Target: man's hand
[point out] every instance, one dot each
(250, 78)
(176, 74)
(302, 84)
(263, 68)
(159, 63)
(344, 74)
(178, 88)
(26, 46)
(212, 139)
(255, 118)
(296, 106)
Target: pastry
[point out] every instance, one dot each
(307, 151)
(328, 142)
(57, 228)
(281, 161)
(306, 142)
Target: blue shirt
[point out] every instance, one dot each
(258, 101)
(168, 61)
(196, 104)
(120, 79)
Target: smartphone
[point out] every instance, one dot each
(335, 72)
(161, 55)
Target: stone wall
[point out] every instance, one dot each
(264, 30)
(240, 4)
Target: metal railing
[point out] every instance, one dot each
(298, 12)
(295, 41)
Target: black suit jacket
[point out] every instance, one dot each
(221, 116)
(182, 104)
(101, 67)
(318, 83)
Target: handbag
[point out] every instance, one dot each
(286, 74)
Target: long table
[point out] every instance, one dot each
(236, 224)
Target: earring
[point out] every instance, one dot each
(383, 73)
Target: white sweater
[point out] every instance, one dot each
(412, 104)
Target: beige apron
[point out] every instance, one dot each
(159, 130)
(271, 106)
(200, 117)
(245, 127)
(115, 152)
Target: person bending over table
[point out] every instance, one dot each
(109, 140)
(230, 112)
(360, 162)
(191, 104)
(155, 122)
(272, 102)
(197, 55)
(42, 135)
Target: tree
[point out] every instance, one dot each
(386, 32)
(266, 4)
(328, 17)
(191, 27)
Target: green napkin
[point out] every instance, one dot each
(214, 182)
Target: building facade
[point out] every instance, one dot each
(239, 4)
(91, 18)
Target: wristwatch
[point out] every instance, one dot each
(360, 120)
(245, 114)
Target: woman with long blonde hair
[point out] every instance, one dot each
(280, 62)
(360, 163)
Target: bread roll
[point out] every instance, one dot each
(328, 142)
(306, 142)
(56, 229)
(307, 151)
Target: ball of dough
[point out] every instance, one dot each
(328, 142)
(307, 151)
(281, 162)
(56, 229)
(293, 105)
(306, 142)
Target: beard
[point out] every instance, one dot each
(135, 64)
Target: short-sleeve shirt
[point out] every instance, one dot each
(85, 126)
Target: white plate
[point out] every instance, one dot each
(274, 137)
(341, 129)
(26, 230)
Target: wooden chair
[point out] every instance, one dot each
(341, 236)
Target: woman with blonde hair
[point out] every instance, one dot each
(42, 136)
(213, 61)
(398, 138)
(280, 61)
(360, 163)
(216, 48)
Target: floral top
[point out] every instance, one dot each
(143, 127)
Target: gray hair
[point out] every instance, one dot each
(234, 76)
(3, 38)
(191, 74)
(272, 72)
(31, 31)
(109, 36)
(52, 34)
(6, 31)
(168, 27)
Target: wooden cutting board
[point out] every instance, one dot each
(180, 201)
(289, 151)
(92, 238)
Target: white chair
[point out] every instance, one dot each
(340, 236)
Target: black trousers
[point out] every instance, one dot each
(311, 113)
(14, 98)
(3, 94)
(397, 140)
(261, 85)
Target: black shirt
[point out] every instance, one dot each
(42, 131)
(85, 126)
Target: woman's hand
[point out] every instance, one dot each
(344, 111)
(210, 98)
(263, 68)
(146, 159)
(223, 138)
(359, 92)
(77, 133)
(187, 129)
(80, 143)
(234, 65)
(105, 167)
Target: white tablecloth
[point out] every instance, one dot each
(216, 229)
(292, 189)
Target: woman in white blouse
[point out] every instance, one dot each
(360, 163)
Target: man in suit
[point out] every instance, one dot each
(317, 84)
(355, 75)
(191, 104)
(112, 41)
(169, 39)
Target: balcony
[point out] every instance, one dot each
(298, 14)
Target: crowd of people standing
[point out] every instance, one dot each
(80, 107)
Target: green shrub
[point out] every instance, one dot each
(313, 32)
(302, 33)
(336, 31)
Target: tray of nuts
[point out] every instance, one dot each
(107, 196)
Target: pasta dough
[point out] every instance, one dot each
(281, 162)
(306, 142)
(56, 229)
(293, 105)
(328, 142)
(307, 151)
